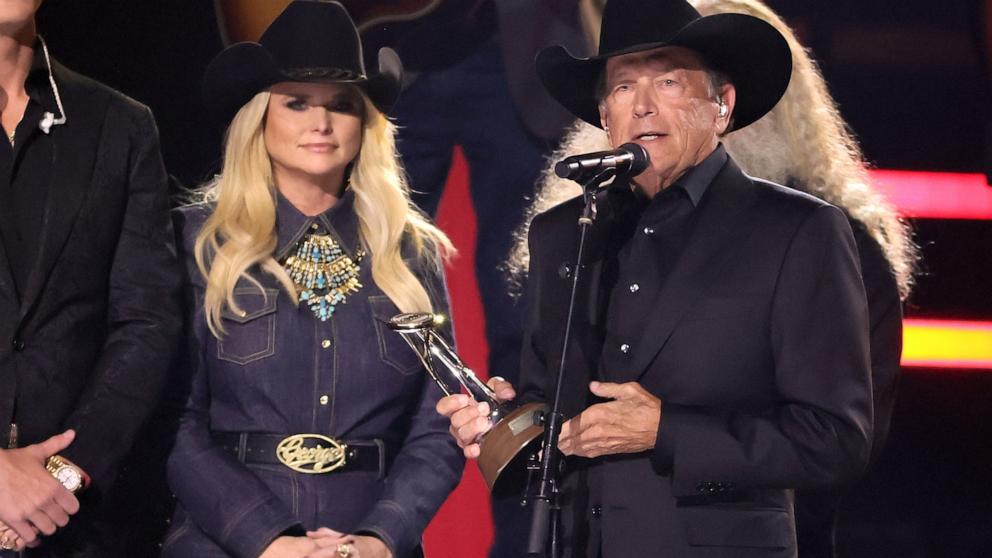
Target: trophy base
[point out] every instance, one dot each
(502, 445)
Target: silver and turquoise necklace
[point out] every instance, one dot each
(323, 273)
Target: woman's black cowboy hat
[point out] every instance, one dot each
(749, 50)
(310, 41)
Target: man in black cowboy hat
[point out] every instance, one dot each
(719, 355)
(89, 288)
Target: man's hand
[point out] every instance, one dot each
(628, 424)
(469, 419)
(31, 500)
(331, 544)
(289, 547)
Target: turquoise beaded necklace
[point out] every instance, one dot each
(323, 273)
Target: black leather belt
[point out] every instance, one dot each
(306, 453)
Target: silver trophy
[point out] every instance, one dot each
(514, 426)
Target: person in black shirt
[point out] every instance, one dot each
(719, 355)
(89, 284)
(791, 145)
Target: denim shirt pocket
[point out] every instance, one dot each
(393, 350)
(251, 335)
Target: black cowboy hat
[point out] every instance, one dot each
(749, 50)
(310, 41)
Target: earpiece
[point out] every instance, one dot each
(46, 122)
(723, 107)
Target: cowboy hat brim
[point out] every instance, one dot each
(242, 70)
(749, 50)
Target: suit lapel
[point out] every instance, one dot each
(74, 151)
(719, 221)
(619, 212)
(588, 296)
(592, 294)
(617, 218)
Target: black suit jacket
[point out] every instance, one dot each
(88, 344)
(816, 510)
(757, 346)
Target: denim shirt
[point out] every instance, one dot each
(279, 369)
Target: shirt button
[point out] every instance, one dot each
(326, 343)
(597, 511)
(625, 348)
(634, 287)
(648, 230)
(324, 399)
(18, 344)
(314, 226)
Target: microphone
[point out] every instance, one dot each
(629, 158)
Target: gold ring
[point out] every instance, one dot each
(344, 550)
(5, 543)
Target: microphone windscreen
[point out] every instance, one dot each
(640, 161)
(563, 169)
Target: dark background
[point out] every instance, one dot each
(154, 51)
(911, 78)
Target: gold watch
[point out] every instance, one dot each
(69, 475)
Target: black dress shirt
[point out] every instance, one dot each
(647, 238)
(25, 173)
(652, 250)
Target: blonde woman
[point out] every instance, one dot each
(805, 144)
(309, 429)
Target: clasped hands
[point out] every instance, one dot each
(627, 423)
(32, 502)
(327, 543)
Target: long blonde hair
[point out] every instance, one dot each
(241, 231)
(803, 141)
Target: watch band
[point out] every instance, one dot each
(56, 464)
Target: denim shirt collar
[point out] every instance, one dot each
(339, 220)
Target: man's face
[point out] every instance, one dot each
(16, 14)
(663, 100)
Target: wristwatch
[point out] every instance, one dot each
(69, 475)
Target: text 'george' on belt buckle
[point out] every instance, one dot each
(312, 454)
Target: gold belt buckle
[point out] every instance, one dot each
(313, 459)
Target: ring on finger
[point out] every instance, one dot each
(344, 550)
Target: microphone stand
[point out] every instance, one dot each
(544, 499)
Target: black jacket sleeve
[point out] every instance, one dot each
(143, 315)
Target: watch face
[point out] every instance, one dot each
(70, 478)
